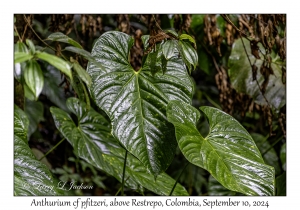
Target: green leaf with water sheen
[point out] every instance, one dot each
(240, 74)
(31, 177)
(91, 139)
(189, 55)
(34, 78)
(60, 37)
(57, 62)
(228, 152)
(136, 101)
(168, 48)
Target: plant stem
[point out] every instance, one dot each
(123, 177)
(178, 178)
(53, 148)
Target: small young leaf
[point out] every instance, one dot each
(34, 78)
(228, 152)
(168, 48)
(56, 62)
(187, 37)
(21, 57)
(60, 37)
(31, 46)
(189, 54)
(81, 72)
(85, 54)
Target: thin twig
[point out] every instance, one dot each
(157, 25)
(37, 34)
(178, 178)
(17, 33)
(25, 28)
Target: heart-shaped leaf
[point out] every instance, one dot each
(136, 101)
(93, 142)
(31, 177)
(228, 152)
(34, 78)
(241, 76)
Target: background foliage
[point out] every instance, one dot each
(241, 69)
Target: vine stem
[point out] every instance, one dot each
(37, 34)
(53, 148)
(123, 177)
(17, 33)
(178, 178)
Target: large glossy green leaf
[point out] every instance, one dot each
(34, 78)
(60, 37)
(228, 152)
(56, 62)
(92, 141)
(136, 101)
(31, 177)
(240, 73)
